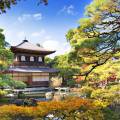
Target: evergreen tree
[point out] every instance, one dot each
(97, 38)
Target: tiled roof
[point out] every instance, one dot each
(26, 45)
(33, 70)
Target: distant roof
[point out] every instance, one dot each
(33, 70)
(26, 46)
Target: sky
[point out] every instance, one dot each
(46, 25)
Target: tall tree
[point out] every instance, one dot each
(107, 73)
(6, 55)
(66, 71)
(6, 58)
(97, 37)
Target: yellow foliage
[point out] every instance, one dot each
(2, 93)
(11, 112)
(2, 62)
(100, 103)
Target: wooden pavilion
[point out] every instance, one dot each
(29, 65)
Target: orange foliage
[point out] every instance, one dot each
(79, 78)
(44, 108)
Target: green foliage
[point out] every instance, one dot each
(49, 61)
(86, 91)
(19, 84)
(6, 56)
(99, 94)
(21, 95)
(115, 88)
(6, 4)
(109, 71)
(71, 83)
(4, 100)
(62, 63)
(6, 81)
(66, 71)
(109, 94)
(96, 39)
(2, 93)
(110, 115)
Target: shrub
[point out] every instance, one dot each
(21, 95)
(6, 81)
(86, 91)
(19, 84)
(111, 94)
(71, 83)
(70, 109)
(2, 93)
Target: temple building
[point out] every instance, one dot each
(29, 65)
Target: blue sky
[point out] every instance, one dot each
(46, 25)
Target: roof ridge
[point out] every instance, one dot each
(22, 43)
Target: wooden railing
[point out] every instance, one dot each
(40, 84)
(28, 64)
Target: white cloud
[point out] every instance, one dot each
(61, 48)
(21, 34)
(38, 34)
(48, 37)
(70, 10)
(24, 17)
(37, 16)
(51, 44)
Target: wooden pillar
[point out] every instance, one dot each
(30, 79)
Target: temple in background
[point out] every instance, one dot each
(29, 65)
